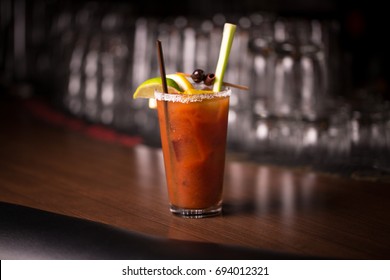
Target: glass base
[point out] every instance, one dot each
(196, 213)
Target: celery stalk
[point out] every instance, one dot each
(226, 44)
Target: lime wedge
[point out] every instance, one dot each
(147, 88)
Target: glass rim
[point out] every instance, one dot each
(187, 98)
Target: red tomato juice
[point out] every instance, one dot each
(193, 137)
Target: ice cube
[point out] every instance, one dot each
(186, 149)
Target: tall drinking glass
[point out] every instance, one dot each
(193, 132)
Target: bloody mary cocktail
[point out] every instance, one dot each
(193, 121)
(193, 134)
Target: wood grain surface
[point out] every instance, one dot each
(274, 208)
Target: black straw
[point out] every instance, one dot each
(162, 66)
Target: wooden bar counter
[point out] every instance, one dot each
(289, 210)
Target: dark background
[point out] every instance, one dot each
(362, 60)
(363, 27)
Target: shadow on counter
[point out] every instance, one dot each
(27, 233)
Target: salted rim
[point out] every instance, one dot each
(187, 98)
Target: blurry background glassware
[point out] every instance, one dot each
(300, 84)
(87, 58)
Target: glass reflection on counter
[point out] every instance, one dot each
(275, 191)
